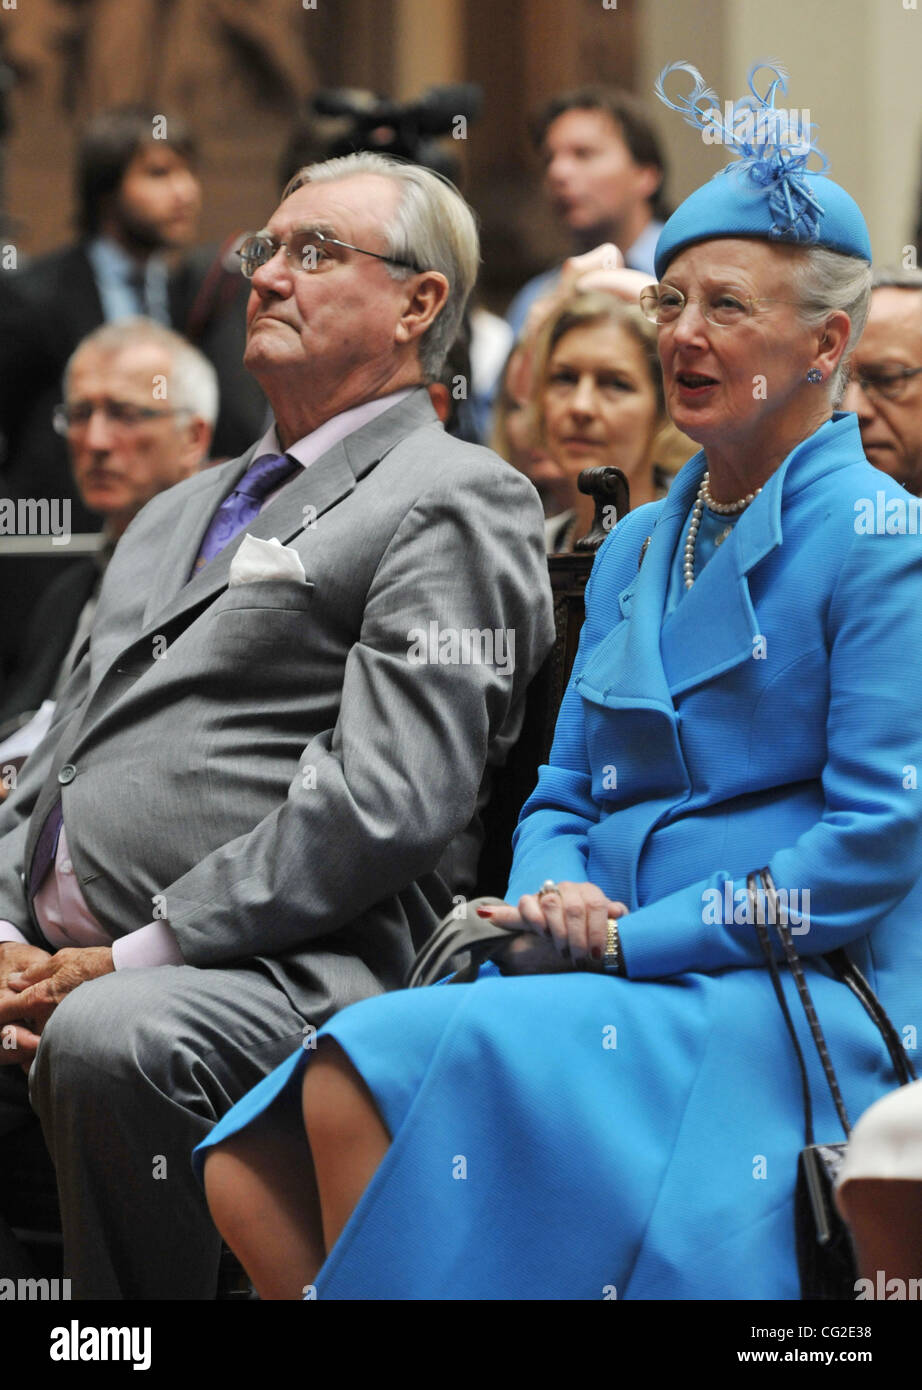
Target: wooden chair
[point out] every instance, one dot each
(569, 574)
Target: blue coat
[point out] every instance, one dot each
(579, 1136)
(774, 717)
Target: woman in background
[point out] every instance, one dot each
(596, 400)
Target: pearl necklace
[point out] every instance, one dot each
(704, 499)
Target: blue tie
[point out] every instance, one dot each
(240, 507)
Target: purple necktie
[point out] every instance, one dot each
(243, 504)
(46, 847)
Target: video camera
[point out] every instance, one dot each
(410, 130)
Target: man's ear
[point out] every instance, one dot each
(427, 293)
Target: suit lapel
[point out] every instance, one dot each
(175, 600)
(299, 503)
(186, 537)
(715, 626)
(626, 668)
(649, 659)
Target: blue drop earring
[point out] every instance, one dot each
(814, 376)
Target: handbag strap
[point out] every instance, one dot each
(800, 980)
(752, 884)
(844, 968)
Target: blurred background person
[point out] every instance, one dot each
(139, 409)
(885, 387)
(603, 176)
(511, 438)
(596, 400)
(138, 203)
(137, 198)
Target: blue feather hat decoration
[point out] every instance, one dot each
(767, 192)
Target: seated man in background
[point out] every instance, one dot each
(139, 409)
(301, 664)
(885, 389)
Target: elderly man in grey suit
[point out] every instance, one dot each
(302, 663)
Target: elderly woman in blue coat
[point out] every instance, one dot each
(618, 1113)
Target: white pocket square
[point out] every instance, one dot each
(257, 560)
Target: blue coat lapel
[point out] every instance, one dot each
(715, 626)
(626, 667)
(647, 660)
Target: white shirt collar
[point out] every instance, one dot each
(310, 448)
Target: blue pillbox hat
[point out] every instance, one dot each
(768, 192)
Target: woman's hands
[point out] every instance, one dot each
(569, 922)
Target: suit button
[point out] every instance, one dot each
(67, 774)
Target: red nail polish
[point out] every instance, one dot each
(597, 953)
(484, 912)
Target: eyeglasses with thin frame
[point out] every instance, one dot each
(305, 251)
(890, 384)
(124, 415)
(723, 306)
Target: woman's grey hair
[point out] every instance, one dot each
(433, 228)
(193, 383)
(827, 282)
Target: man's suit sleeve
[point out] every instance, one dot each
(379, 795)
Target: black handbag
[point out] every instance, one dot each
(825, 1258)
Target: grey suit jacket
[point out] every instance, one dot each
(264, 765)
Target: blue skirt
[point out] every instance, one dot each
(579, 1136)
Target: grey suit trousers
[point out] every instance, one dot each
(133, 1070)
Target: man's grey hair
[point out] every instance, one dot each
(433, 228)
(827, 282)
(193, 381)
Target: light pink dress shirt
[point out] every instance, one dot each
(60, 908)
